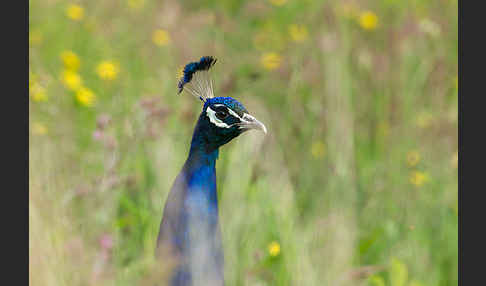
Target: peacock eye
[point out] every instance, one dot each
(222, 114)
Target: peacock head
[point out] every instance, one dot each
(222, 118)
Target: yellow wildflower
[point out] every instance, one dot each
(70, 60)
(455, 159)
(107, 70)
(75, 12)
(413, 158)
(136, 4)
(368, 20)
(298, 33)
(85, 97)
(418, 178)
(318, 149)
(35, 38)
(71, 79)
(278, 2)
(271, 61)
(39, 128)
(38, 93)
(274, 248)
(161, 37)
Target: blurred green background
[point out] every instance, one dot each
(355, 184)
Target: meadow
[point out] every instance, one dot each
(354, 184)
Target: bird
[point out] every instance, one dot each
(190, 233)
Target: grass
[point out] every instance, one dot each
(356, 180)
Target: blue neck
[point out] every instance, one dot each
(198, 226)
(196, 219)
(200, 168)
(199, 156)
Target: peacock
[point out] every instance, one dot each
(190, 234)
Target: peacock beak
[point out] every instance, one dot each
(250, 122)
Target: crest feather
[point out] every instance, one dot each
(196, 79)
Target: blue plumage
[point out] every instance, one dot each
(189, 232)
(232, 103)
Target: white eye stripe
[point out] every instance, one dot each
(213, 119)
(247, 118)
